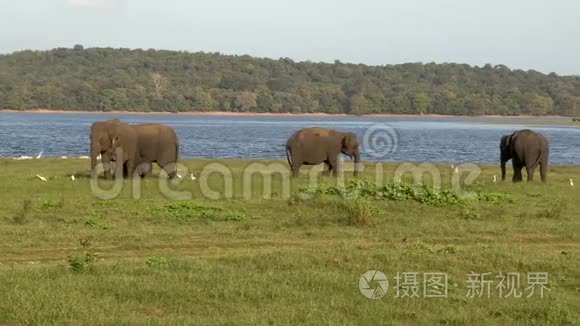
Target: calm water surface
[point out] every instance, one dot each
(417, 140)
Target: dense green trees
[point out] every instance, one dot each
(149, 80)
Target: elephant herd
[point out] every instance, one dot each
(130, 150)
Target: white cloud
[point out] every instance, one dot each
(95, 3)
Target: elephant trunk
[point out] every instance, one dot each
(503, 170)
(94, 153)
(105, 159)
(356, 164)
(108, 164)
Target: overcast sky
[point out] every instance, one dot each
(526, 34)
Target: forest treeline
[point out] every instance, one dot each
(106, 79)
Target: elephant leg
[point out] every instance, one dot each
(544, 170)
(169, 167)
(171, 170)
(107, 164)
(130, 168)
(326, 171)
(145, 169)
(110, 171)
(333, 165)
(295, 163)
(530, 171)
(296, 168)
(517, 173)
(108, 167)
(119, 169)
(140, 170)
(125, 171)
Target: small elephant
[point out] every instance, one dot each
(143, 168)
(312, 146)
(525, 148)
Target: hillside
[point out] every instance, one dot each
(150, 80)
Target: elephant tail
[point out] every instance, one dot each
(539, 159)
(289, 157)
(176, 151)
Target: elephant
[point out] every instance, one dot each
(312, 146)
(155, 143)
(525, 148)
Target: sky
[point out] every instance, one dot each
(542, 35)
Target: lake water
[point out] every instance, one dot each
(453, 140)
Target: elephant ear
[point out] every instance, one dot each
(513, 137)
(505, 141)
(349, 140)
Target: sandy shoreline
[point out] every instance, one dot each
(256, 114)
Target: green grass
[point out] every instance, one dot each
(67, 257)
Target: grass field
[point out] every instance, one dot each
(68, 258)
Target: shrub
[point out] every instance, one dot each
(554, 211)
(494, 197)
(22, 216)
(84, 260)
(451, 249)
(399, 192)
(469, 214)
(81, 262)
(161, 262)
(359, 212)
(96, 222)
(47, 204)
(186, 211)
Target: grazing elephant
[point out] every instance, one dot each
(155, 143)
(101, 142)
(311, 146)
(525, 148)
